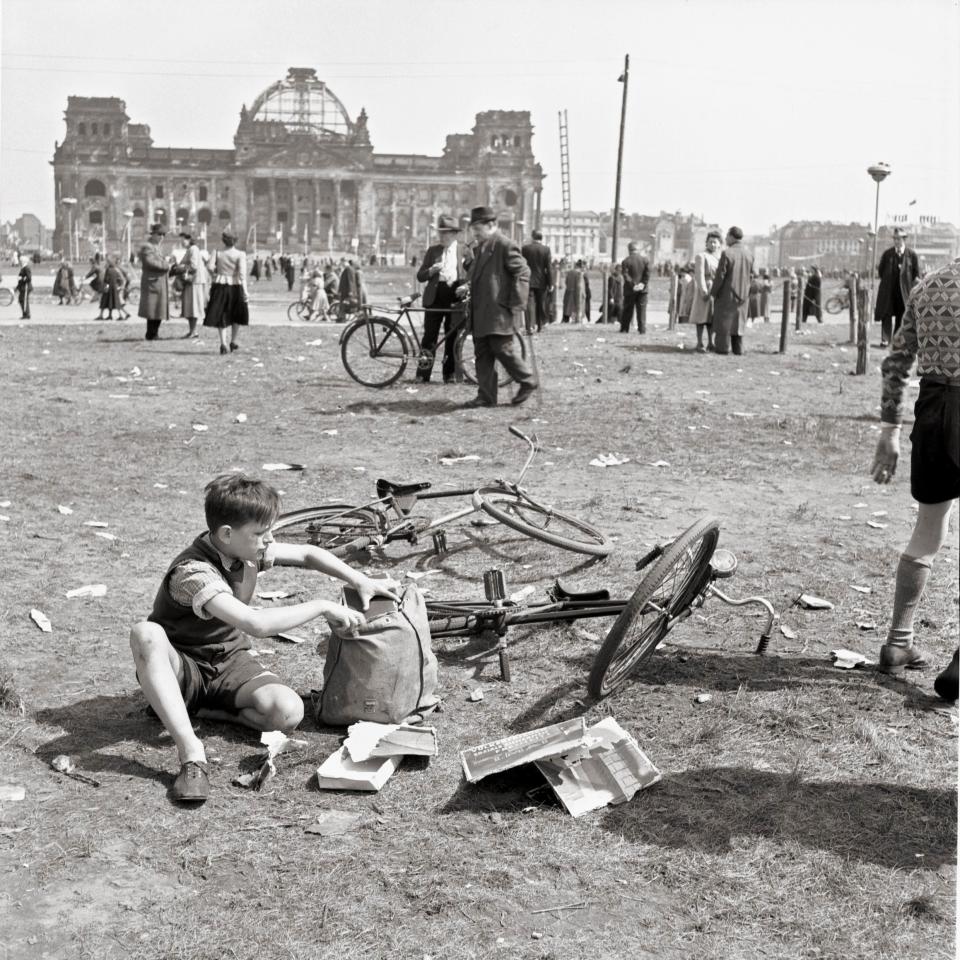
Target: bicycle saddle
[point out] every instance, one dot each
(387, 488)
(560, 591)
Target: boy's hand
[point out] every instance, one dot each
(367, 588)
(343, 618)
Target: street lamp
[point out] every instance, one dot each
(878, 172)
(69, 203)
(406, 233)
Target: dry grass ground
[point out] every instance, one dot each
(804, 811)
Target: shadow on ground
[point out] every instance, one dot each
(888, 824)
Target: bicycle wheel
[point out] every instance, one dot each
(338, 527)
(668, 587)
(541, 523)
(298, 310)
(834, 305)
(467, 362)
(374, 351)
(6, 296)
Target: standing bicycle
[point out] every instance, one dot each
(376, 348)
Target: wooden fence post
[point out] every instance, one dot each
(863, 311)
(854, 290)
(674, 305)
(801, 286)
(785, 316)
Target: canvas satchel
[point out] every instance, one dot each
(384, 673)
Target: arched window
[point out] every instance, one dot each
(224, 215)
(160, 216)
(106, 129)
(138, 212)
(94, 188)
(494, 141)
(281, 216)
(204, 216)
(82, 129)
(509, 198)
(93, 129)
(201, 193)
(183, 215)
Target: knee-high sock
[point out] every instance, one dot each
(912, 574)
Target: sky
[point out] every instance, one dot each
(744, 112)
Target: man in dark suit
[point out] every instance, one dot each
(636, 278)
(537, 255)
(154, 286)
(24, 288)
(349, 288)
(443, 272)
(731, 292)
(499, 286)
(898, 270)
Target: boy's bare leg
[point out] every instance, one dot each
(274, 706)
(159, 670)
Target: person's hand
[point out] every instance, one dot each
(463, 291)
(434, 270)
(367, 588)
(343, 618)
(886, 456)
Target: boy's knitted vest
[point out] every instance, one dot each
(198, 639)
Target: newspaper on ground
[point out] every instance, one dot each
(849, 659)
(587, 767)
(366, 740)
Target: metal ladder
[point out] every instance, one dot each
(565, 184)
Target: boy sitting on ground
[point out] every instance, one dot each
(191, 653)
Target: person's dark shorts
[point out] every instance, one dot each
(935, 455)
(215, 685)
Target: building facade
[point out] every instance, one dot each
(585, 239)
(301, 173)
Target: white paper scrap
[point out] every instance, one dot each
(200, 427)
(103, 535)
(609, 460)
(339, 772)
(278, 742)
(273, 594)
(240, 418)
(853, 586)
(877, 526)
(283, 466)
(849, 659)
(89, 590)
(329, 433)
(66, 511)
(95, 523)
(810, 602)
(40, 619)
(446, 461)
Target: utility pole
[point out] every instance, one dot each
(624, 78)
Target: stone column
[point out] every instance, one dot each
(393, 214)
(272, 225)
(337, 210)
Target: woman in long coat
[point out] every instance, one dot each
(811, 297)
(154, 285)
(196, 285)
(574, 294)
(614, 295)
(701, 310)
(113, 285)
(64, 285)
(766, 285)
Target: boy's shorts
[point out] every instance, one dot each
(935, 454)
(215, 685)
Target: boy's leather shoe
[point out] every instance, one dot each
(192, 784)
(946, 682)
(894, 660)
(475, 402)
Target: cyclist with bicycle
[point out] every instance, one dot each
(443, 272)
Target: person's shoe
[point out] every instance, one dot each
(894, 659)
(701, 348)
(234, 347)
(476, 402)
(946, 682)
(523, 394)
(192, 784)
(188, 335)
(223, 349)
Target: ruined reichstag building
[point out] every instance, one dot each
(300, 169)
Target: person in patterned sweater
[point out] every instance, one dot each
(930, 333)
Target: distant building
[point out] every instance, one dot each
(665, 238)
(301, 172)
(31, 233)
(585, 235)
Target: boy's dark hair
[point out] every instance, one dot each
(235, 499)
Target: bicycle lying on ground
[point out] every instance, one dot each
(376, 349)
(677, 579)
(346, 529)
(302, 310)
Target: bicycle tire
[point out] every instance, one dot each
(630, 641)
(467, 364)
(340, 528)
(834, 305)
(531, 519)
(374, 351)
(6, 296)
(296, 311)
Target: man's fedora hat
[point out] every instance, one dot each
(185, 235)
(482, 215)
(900, 232)
(156, 230)
(447, 225)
